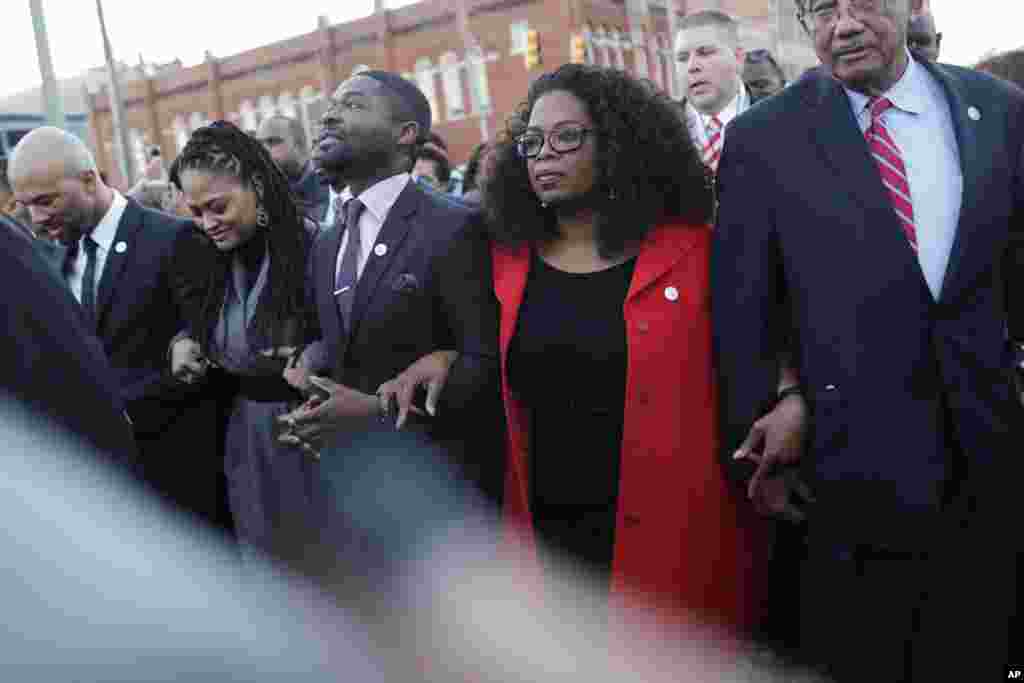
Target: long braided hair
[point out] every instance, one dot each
(281, 317)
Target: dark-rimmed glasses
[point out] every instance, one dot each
(561, 139)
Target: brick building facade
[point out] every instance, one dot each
(423, 41)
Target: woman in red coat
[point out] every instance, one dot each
(599, 215)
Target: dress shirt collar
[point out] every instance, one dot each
(910, 93)
(106, 230)
(379, 198)
(737, 105)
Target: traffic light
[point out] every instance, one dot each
(532, 50)
(578, 50)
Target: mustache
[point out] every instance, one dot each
(848, 49)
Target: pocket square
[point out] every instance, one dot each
(406, 283)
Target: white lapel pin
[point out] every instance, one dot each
(380, 249)
(121, 247)
(973, 114)
(671, 293)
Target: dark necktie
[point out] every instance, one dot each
(89, 278)
(348, 275)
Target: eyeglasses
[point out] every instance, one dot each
(822, 15)
(562, 139)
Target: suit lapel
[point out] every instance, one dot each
(327, 260)
(392, 234)
(966, 132)
(117, 258)
(662, 250)
(837, 135)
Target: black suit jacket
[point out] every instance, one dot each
(51, 361)
(912, 400)
(313, 194)
(431, 290)
(143, 295)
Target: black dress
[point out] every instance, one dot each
(567, 365)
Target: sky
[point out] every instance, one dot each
(185, 29)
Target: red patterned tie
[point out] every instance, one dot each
(890, 166)
(713, 147)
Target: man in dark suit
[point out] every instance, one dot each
(51, 361)
(132, 271)
(415, 278)
(875, 234)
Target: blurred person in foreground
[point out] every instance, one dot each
(251, 320)
(402, 271)
(762, 75)
(877, 233)
(922, 37)
(598, 209)
(708, 49)
(132, 271)
(52, 362)
(286, 141)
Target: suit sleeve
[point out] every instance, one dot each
(750, 313)
(470, 308)
(49, 361)
(1014, 260)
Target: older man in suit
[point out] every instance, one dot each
(875, 232)
(400, 273)
(131, 270)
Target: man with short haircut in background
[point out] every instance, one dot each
(708, 47)
(922, 37)
(285, 140)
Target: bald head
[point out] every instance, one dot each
(922, 36)
(54, 176)
(285, 140)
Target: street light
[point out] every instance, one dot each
(53, 103)
(127, 162)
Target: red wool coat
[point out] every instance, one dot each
(684, 538)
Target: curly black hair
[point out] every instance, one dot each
(648, 167)
(281, 317)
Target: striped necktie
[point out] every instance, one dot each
(713, 147)
(891, 167)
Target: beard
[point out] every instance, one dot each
(341, 160)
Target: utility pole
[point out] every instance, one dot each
(124, 149)
(53, 103)
(476, 63)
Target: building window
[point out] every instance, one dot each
(425, 81)
(477, 68)
(451, 81)
(618, 59)
(517, 37)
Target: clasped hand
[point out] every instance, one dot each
(330, 408)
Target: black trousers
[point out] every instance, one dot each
(876, 615)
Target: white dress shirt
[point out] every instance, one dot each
(921, 125)
(698, 122)
(378, 200)
(103, 234)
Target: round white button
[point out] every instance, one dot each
(380, 249)
(120, 247)
(973, 113)
(671, 293)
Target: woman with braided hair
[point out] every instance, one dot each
(250, 318)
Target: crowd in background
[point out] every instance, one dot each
(694, 347)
